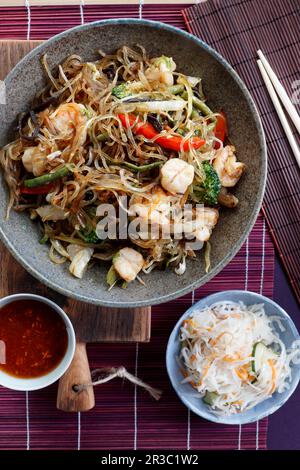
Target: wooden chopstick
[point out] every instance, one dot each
(280, 112)
(48, 3)
(281, 91)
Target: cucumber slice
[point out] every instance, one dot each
(210, 397)
(261, 354)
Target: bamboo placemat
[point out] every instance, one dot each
(236, 29)
(124, 417)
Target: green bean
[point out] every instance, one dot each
(201, 106)
(133, 167)
(112, 276)
(102, 137)
(44, 239)
(194, 114)
(141, 168)
(198, 104)
(176, 89)
(49, 177)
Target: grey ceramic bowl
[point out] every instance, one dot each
(188, 395)
(224, 89)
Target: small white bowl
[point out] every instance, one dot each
(187, 394)
(37, 383)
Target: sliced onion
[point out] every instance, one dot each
(158, 106)
(73, 249)
(55, 257)
(58, 246)
(50, 212)
(53, 155)
(193, 81)
(181, 268)
(80, 262)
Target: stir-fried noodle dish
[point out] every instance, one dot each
(126, 133)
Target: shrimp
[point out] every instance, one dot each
(227, 167)
(67, 118)
(227, 199)
(198, 223)
(34, 160)
(128, 263)
(206, 219)
(176, 175)
(156, 211)
(161, 70)
(68, 122)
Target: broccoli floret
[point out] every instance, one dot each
(120, 91)
(208, 191)
(87, 112)
(94, 70)
(167, 63)
(88, 236)
(126, 89)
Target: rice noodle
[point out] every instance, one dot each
(218, 343)
(79, 126)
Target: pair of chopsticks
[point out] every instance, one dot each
(277, 93)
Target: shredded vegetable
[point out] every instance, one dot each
(233, 356)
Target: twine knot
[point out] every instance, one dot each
(105, 374)
(121, 372)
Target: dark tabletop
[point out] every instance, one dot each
(284, 425)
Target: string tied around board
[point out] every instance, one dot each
(105, 374)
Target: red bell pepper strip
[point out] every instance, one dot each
(221, 129)
(172, 142)
(44, 189)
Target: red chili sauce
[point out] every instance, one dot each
(35, 338)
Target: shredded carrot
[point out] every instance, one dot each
(217, 339)
(242, 372)
(235, 315)
(184, 372)
(238, 402)
(232, 359)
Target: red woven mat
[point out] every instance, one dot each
(237, 29)
(124, 417)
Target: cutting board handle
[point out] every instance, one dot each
(68, 399)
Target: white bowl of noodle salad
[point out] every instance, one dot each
(234, 357)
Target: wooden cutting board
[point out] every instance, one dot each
(92, 324)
